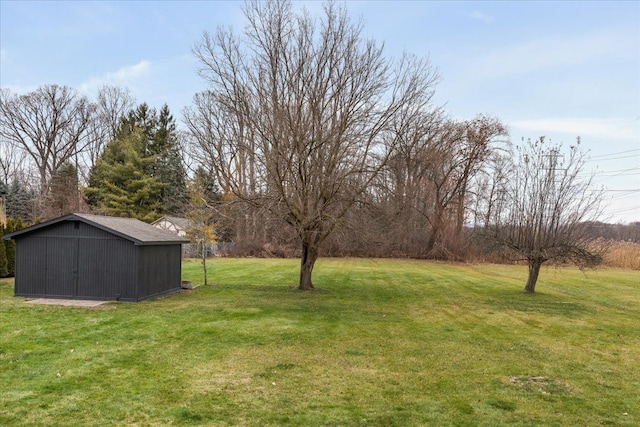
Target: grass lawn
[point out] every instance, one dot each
(379, 343)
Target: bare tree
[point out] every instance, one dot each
(433, 169)
(64, 194)
(480, 137)
(12, 162)
(112, 104)
(545, 206)
(300, 114)
(490, 188)
(50, 124)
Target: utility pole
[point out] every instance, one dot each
(552, 196)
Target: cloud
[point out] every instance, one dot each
(554, 52)
(601, 129)
(125, 76)
(482, 17)
(132, 72)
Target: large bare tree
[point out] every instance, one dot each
(545, 208)
(302, 113)
(50, 124)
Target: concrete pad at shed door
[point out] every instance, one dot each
(66, 302)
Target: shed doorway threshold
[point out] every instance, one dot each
(66, 302)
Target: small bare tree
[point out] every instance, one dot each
(545, 208)
(302, 114)
(201, 228)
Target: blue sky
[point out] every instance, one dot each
(559, 69)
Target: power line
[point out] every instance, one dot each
(615, 154)
(622, 197)
(629, 171)
(625, 210)
(613, 158)
(613, 174)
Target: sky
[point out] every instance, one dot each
(555, 69)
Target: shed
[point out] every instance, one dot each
(82, 256)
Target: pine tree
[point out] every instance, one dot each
(10, 247)
(167, 166)
(141, 119)
(159, 140)
(4, 271)
(20, 201)
(119, 184)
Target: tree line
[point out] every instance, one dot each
(308, 140)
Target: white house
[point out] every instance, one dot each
(172, 223)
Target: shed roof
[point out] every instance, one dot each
(140, 233)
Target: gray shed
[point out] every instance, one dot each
(81, 256)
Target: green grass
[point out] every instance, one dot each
(379, 343)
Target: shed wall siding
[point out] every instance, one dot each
(61, 267)
(107, 269)
(159, 272)
(30, 272)
(62, 229)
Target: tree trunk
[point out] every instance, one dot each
(308, 260)
(204, 261)
(460, 210)
(434, 237)
(534, 270)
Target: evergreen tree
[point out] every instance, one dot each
(159, 140)
(10, 247)
(120, 185)
(141, 119)
(20, 201)
(3, 200)
(4, 271)
(167, 166)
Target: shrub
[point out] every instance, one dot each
(10, 248)
(4, 272)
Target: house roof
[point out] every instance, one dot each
(175, 220)
(140, 233)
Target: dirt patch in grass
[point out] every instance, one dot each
(67, 302)
(539, 384)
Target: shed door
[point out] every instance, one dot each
(106, 269)
(61, 267)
